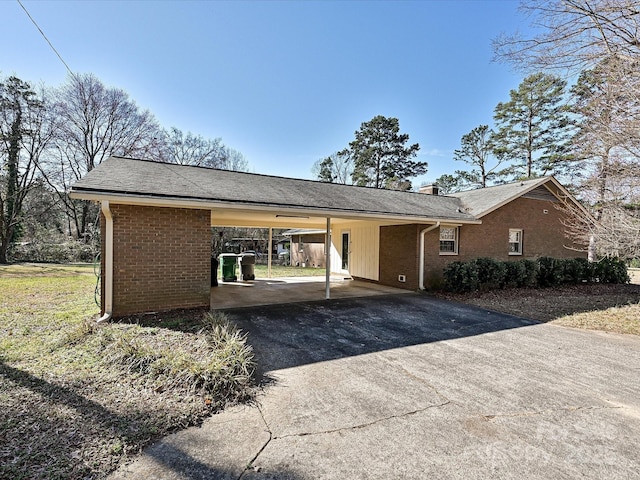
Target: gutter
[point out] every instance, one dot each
(108, 263)
(422, 235)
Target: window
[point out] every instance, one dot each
(345, 250)
(515, 241)
(448, 240)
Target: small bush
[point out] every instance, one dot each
(611, 270)
(521, 273)
(531, 273)
(491, 273)
(461, 277)
(575, 270)
(550, 272)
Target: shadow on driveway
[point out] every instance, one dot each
(291, 335)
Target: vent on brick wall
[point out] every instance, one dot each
(402, 278)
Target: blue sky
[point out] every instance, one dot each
(285, 83)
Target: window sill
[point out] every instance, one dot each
(448, 253)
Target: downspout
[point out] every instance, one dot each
(108, 263)
(422, 235)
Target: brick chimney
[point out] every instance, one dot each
(429, 189)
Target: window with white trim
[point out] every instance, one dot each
(515, 241)
(448, 240)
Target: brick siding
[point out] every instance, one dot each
(399, 255)
(161, 259)
(543, 235)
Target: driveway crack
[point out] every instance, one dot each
(365, 425)
(250, 465)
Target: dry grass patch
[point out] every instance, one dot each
(77, 398)
(624, 319)
(607, 307)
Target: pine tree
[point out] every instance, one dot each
(533, 127)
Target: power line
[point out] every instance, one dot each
(45, 37)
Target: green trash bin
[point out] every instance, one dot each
(228, 262)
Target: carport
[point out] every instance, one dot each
(157, 218)
(270, 291)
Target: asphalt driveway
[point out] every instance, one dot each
(407, 386)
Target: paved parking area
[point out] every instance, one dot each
(269, 291)
(407, 386)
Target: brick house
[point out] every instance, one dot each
(157, 218)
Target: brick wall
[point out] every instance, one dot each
(161, 258)
(399, 255)
(543, 235)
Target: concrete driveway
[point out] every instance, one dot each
(412, 387)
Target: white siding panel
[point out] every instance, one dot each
(365, 251)
(364, 258)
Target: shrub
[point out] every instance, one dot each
(68, 252)
(491, 273)
(531, 273)
(487, 273)
(576, 270)
(521, 273)
(611, 270)
(461, 277)
(550, 272)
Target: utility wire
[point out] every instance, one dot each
(45, 37)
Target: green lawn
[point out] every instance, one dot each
(282, 271)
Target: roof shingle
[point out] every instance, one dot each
(143, 178)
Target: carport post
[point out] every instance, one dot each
(327, 261)
(270, 252)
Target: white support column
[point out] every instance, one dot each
(270, 252)
(327, 261)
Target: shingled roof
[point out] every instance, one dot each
(483, 201)
(126, 178)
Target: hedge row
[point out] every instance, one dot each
(489, 274)
(69, 252)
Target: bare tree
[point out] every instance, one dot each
(95, 122)
(336, 168)
(190, 149)
(575, 34)
(600, 39)
(25, 132)
(615, 227)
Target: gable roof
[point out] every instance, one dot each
(483, 201)
(127, 180)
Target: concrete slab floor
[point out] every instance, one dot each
(271, 291)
